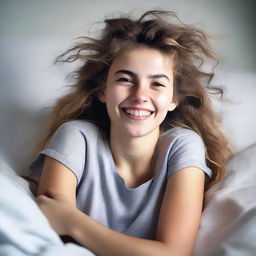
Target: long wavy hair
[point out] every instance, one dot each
(160, 30)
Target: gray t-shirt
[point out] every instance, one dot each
(101, 193)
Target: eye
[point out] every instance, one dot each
(157, 84)
(125, 80)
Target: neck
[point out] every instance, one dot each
(133, 156)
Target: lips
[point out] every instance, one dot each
(137, 113)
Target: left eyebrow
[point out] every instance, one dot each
(159, 76)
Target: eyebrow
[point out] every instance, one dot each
(130, 73)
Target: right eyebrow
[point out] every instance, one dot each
(127, 72)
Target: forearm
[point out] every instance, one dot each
(104, 241)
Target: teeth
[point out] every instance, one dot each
(137, 112)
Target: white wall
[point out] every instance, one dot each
(34, 32)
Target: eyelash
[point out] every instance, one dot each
(127, 80)
(123, 79)
(158, 84)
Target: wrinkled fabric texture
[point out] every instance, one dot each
(228, 224)
(24, 230)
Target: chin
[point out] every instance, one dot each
(139, 133)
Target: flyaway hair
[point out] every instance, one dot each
(161, 30)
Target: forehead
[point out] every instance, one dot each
(143, 60)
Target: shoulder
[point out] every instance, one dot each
(74, 134)
(68, 145)
(179, 132)
(180, 137)
(82, 125)
(183, 148)
(82, 128)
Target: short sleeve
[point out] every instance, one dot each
(188, 150)
(68, 146)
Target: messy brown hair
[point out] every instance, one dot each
(160, 30)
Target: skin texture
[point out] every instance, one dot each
(140, 80)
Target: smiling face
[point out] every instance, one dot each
(139, 92)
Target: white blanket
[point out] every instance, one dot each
(24, 230)
(228, 225)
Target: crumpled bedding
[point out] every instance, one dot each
(228, 225)
(24, 230)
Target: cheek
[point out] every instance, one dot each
(164, 101)
(113, 99)
(116, 94)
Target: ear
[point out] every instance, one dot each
(101, 96)
(173, 105)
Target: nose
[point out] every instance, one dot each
(140, 94)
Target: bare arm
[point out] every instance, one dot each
(58, 177)
(178, 221)
(181, 210)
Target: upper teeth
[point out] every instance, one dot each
(138, 112)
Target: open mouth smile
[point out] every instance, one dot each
(137, 114)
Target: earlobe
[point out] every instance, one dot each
(101, 97)
(172, 106)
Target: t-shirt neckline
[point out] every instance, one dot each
(119, 179)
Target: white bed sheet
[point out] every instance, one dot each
(228, 225)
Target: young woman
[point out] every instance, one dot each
(132, 148)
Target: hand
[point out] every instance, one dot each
(58, 210)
